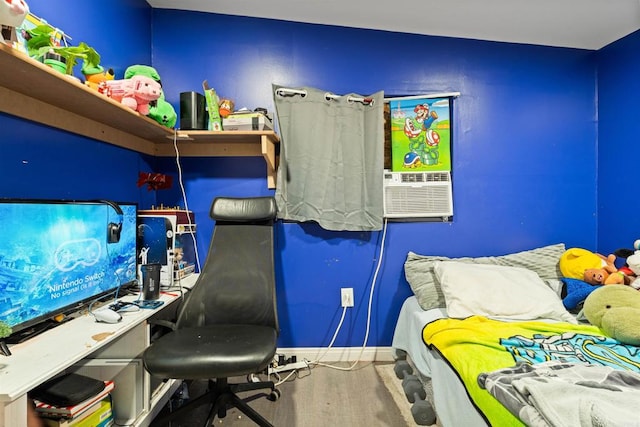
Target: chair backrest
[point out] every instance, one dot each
(237, 283)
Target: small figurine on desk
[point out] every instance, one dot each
(143, 255)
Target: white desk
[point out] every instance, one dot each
(75, 343)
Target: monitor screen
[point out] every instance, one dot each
(58, 256)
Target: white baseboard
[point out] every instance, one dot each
(339, 354)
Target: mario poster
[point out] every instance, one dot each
(420, 134)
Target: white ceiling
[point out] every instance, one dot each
(586, 24)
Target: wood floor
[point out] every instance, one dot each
(321, 397)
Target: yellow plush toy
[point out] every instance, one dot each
(616, 310)
(593, 268)
(94, 75)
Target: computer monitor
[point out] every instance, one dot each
(57, 256)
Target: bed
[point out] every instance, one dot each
(494, 338)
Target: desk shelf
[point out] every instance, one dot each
(33, 91)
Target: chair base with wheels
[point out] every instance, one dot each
(222, 396)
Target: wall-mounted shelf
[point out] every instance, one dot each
(33, 91)
(197, 143)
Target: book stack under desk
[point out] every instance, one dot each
(95, 411)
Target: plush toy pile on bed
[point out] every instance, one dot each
(585, 271)
(591, 267)
(608, 303)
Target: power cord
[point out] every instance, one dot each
(115, 292)
(279, 381)
(317, 362)
(115, 299)
(335, 335)
(186, 204)
(344, 310)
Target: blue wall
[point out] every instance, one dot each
(618, 146)
(524, 155)
(524, 148)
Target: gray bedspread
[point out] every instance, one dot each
(566, 394)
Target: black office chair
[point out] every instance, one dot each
(228, 325)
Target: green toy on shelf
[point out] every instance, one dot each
(215, 122)
(40, 44)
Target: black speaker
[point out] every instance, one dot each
(193, 111)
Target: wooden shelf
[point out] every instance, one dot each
(33, 91)
(199, 143)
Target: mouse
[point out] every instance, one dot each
(106, 315)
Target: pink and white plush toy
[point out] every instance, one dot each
(12, 13)
(136, 92)
(633, 261)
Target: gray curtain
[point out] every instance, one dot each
(331, 158)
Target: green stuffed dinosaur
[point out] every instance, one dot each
(160, 110)
(616, 310)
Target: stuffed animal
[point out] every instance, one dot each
(159, 110)
(616, 310)
(136, 92)
(163, 112)
(12, 13)
(632, 263)
(93, 76)
(574, 292)
(591, 267)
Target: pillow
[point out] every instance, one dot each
(508, 293)
(556, 285)
(418, 270)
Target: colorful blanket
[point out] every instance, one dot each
(477, 345)
(567, 394)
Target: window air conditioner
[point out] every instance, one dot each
(417, 195)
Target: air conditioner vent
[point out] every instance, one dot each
(412, 177)
(438, 177)
(417, 195)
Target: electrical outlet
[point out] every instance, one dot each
(346, 297)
